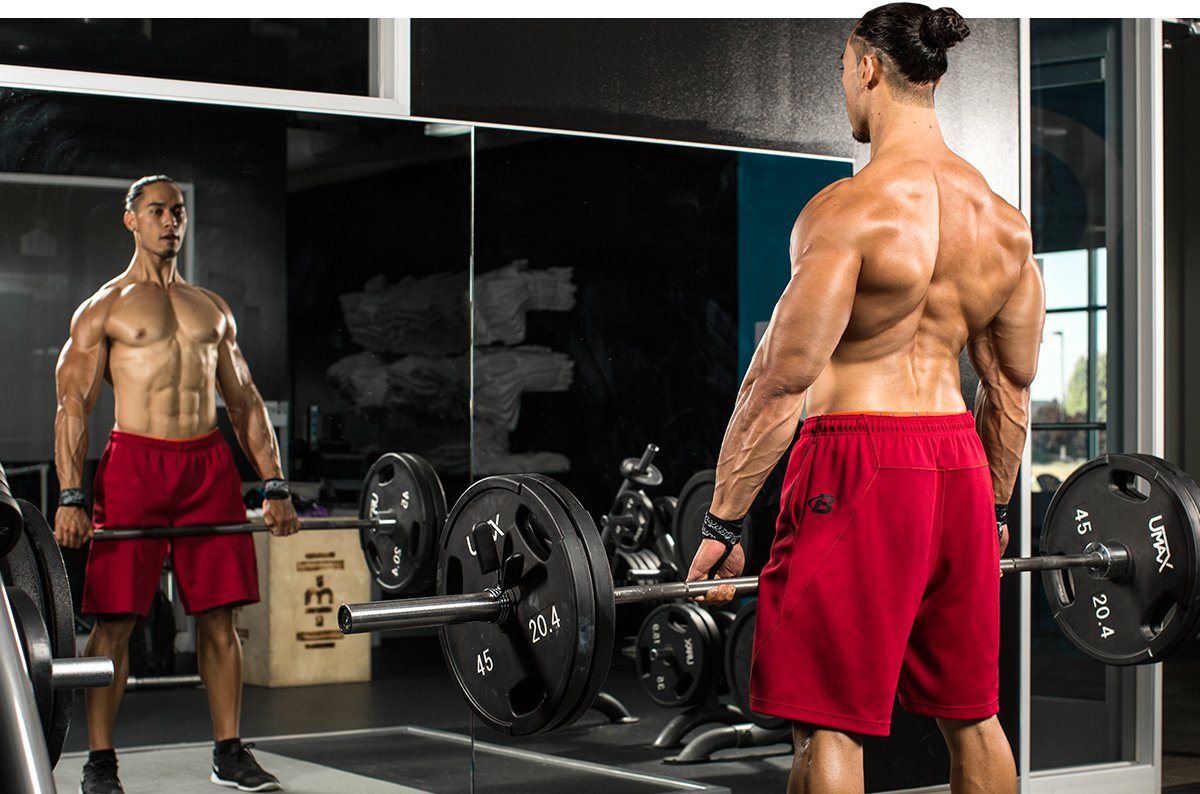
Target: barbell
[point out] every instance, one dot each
(401, 509)
(526, 602)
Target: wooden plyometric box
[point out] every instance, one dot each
(290, 637)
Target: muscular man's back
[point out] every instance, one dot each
(941, 254)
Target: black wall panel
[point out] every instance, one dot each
(764, 83)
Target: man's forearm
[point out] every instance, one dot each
(70, 448)
(760, 431)
(1002, 420)
(252, 426)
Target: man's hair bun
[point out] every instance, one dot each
(942, 28)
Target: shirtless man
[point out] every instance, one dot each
(167, 348)
(883, 576)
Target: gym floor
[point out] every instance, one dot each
(356, 729)
(323, 725)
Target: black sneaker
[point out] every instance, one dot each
(100, 776)
(239, 770)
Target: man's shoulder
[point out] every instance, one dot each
(104, 298)
(831, 201)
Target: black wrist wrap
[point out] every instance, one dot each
(728, 533)
(1001, 518)
(72, 497)
(276, 489)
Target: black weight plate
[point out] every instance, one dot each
(723, 618)
(519, 676)
(625, 562)
(58, 613)
(739, 648)
(35, 647)
(606, 625)
(664, 514)
(20, 569)
(1146, 506)
(435, 498)
(694, 501)
(678, 654)
(637, 508)
(400, 555)
(11, 520)
(715, 648)
(650, 478)
(58, 608)
(574, 700)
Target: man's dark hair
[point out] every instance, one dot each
(913, 39)
(134, 195)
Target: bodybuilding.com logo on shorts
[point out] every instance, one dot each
(822, 503)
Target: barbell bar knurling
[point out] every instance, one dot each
(637, 593)
(309, 524)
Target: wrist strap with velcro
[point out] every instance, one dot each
(727, 533)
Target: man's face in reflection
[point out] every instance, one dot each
(159, 220)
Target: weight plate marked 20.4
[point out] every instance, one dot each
(604, 634)
(1145, 506)
(522, 675)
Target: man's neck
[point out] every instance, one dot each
(898, 126)
(150, 267)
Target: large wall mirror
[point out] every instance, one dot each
(494, 300)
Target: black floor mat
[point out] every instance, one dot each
(443, 763)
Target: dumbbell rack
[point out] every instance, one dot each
(23, 756)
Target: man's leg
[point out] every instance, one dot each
(826, 762)
(109, 637)
(219, 657)
(981, 761)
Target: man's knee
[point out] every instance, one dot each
(806, 736)
(114, 630)
(214, 628)
(965, 734)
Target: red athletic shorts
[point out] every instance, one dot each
(154, 482)
(883, 577)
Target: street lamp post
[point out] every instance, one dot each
(1062, 369)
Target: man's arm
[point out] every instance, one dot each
(805, 329)
(1005, 357)
(250, 421)
(77, 378)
